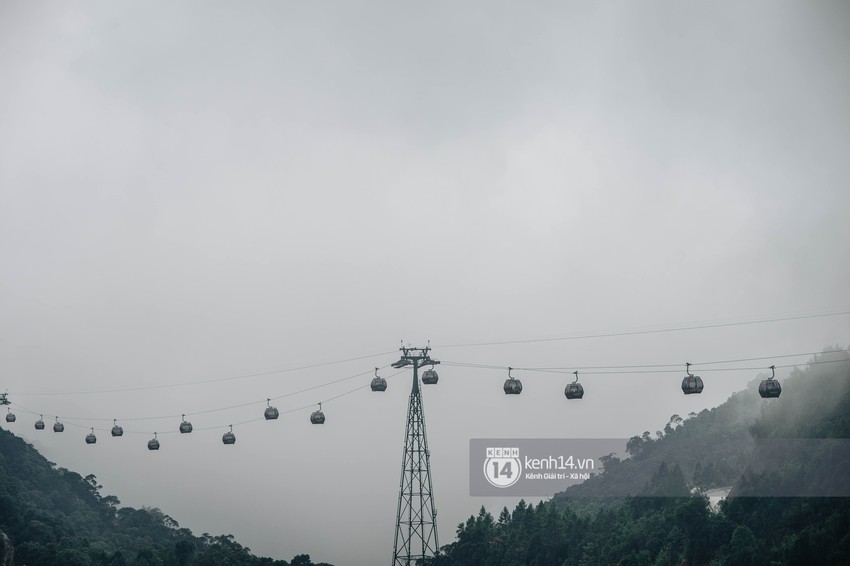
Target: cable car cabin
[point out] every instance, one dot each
(430, 377)
(58, 427)
(117, 431)
(574, 391)
(692, 384)
(153, 443)
(769, 389)
(39, 424)
(513, 386)
(10, 417)
(91, 438)
(228, 438)
(378, 382)
(271, 413)
(185, 427)
(318, 417)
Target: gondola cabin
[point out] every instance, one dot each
(574, 391)
(318, 417)
(378, 382)
(228, 437)
(769, 388)
(430, 377)
(691, 383)
(512, 386)
(271, 413)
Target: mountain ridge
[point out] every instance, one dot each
(54, 516)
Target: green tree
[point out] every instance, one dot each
(184, 551)
(742, 546)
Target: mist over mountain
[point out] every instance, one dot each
(653, 507)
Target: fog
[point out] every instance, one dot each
(198, 199)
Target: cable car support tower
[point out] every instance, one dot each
(416, 539)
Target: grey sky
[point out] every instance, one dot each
(203, 190)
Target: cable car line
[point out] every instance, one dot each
(357, 358)
(564, 372)
(691, 384)
(584, 336)
(211, 427)
(204, 381)
(207, 411)
(261, 418)
(715, 362)
(458, 364)
(639, 367)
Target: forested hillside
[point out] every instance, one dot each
(667, 519)
(54, 516)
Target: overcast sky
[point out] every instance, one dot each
(202, 190)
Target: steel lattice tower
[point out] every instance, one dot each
(416, 520)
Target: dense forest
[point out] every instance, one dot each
(651, 508)
(53, 516)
